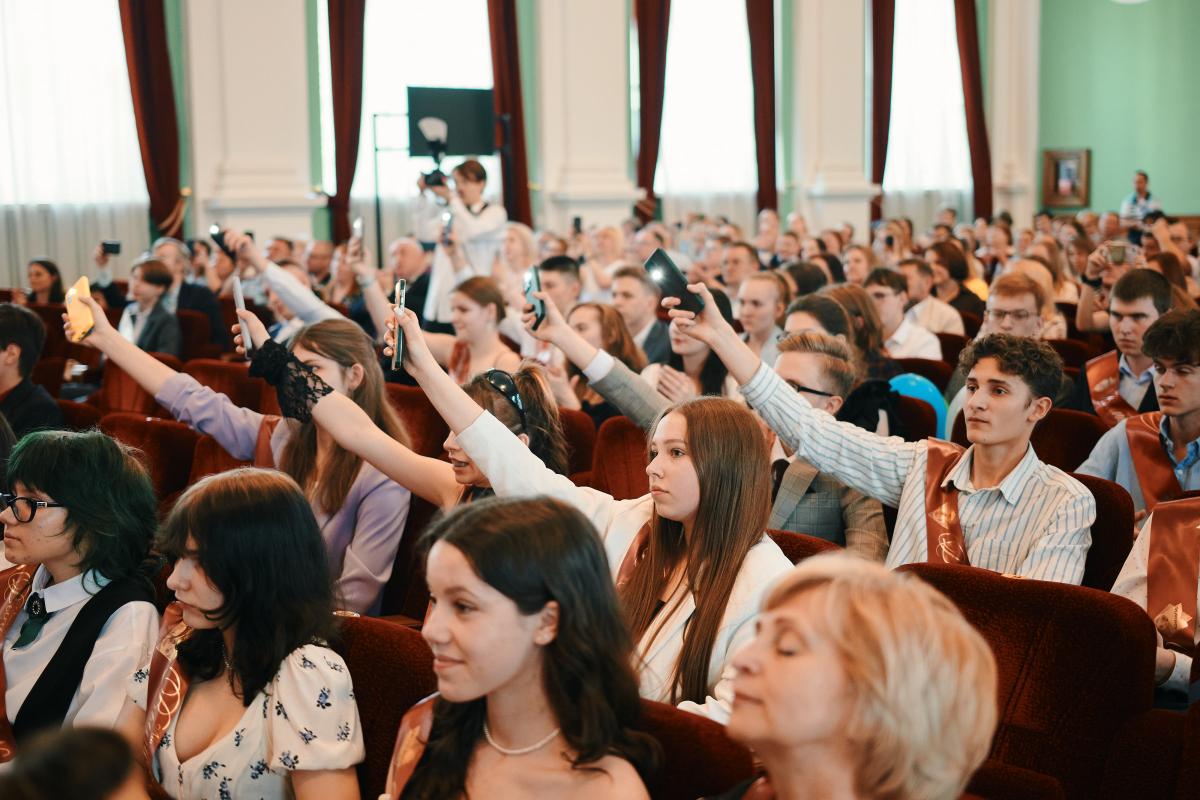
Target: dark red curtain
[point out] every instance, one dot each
(346, 22)
(972, 79)
(653, 17)
(760, 19)
(883, 32)
(144, 27)
(510, 110)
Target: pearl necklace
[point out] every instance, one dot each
(519, 751)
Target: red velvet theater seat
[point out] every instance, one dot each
(699, 760)
(1064, 439)
(425, 425)
(1112, 532)
(798, 546)
(619, 460)
(119, 392)
(210, 458)
(918, 419)
(392, 669)
(167, 447)
(580, 433)
(79, 416)
(230, 378)
(1074, 664)
(938, 372)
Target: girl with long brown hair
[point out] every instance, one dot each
(361, 512)
(602, 327)
(690, 558)
(868, 330)
(476, 310)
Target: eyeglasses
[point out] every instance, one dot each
(798, 388)
(503, 383)
(1021, 315)
(25, 508)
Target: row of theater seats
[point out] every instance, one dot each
(1075, 669)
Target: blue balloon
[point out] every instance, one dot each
(922, 388)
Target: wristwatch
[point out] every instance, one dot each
(1095, 283)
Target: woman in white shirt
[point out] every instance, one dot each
(77, 613)
(700, 526)
(245, 697)
(536, 692)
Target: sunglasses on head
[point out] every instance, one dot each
(503, 383)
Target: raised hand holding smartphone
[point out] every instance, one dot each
(239, 302)
(398, 350)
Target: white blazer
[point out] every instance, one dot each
(514, 471)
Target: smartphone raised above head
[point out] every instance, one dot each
(218, 236)
(533, 283)
(79, 314)
(356, 230)
(239, 302)
(401, 299)
(671, 282)
(111, 247)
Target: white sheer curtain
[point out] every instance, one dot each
(406, 44)
(70, 168)
(928, 160)
(706, 157)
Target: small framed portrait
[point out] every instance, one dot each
(1065, 178)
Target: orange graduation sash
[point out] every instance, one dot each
(1173, 572)
(168, 684)
(1104, 383)
(944, 537)
(410, 745)
(1155, 475)
(14, 588)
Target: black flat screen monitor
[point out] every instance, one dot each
(468, 114)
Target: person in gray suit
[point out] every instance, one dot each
(145, 321)
(806, 501)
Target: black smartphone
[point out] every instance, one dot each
(398, 350)
(671, 282)
(218, 236)
(577, 225)
(533, 283)
(111, 247)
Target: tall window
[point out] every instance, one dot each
(706, 157)
(70, 168)
(445, 44)
(928, 160)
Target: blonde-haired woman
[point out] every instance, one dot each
(518, 252)
(865, 682)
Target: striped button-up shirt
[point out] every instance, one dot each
(1036, 523)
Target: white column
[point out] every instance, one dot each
(583, 79)
(1012, 112)
(830, 93)
(247, 96)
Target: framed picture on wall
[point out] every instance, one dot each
(1065, 178)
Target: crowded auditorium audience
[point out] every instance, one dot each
(487, 502)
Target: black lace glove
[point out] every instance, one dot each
(297, 387)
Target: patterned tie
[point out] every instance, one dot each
(35, 607)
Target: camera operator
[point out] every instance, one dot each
(478, 227)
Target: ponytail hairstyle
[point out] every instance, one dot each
(731, 461)
(541, 423)
(537, 551)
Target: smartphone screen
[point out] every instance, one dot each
(80, 315)
(357, 228)
(1116, 253)
(111, 247)
(398, 350)
(447, 226)
(671, 282)
(577, 225)
(533, 283)
(239, 302)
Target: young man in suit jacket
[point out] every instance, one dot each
(635, 297)
(189, 296)
(145, 322)
(27, 406)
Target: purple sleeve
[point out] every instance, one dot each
(234, 428)
(372, 520)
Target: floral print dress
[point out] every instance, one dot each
(306, 719)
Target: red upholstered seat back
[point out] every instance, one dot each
(79, 416)
(230, 378)
(918, 418)
(1074, 665)
(580, 433)
(197, 335)
(952, 345)
(971, 323)
(1063, 439)
(619, 460)
(50, 314)
(425, 425)
(167, 447)
(119, 392)
(48, 373)
(1112, 532)
(798, 546)
(938, 372)
(1073, 352)
(392, 669)
(210, 458)
(699, 760)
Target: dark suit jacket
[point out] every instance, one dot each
(200, 298)
(1081, 399)
(658, 343)
(29, 407)
(161, 333)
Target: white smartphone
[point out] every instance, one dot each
(239, 302)
(357, 228)
(398, 350)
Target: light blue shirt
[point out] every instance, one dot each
(1111, 460)
(1036, 523)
